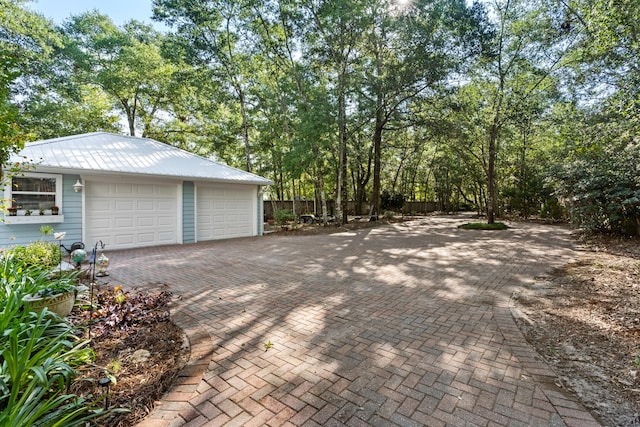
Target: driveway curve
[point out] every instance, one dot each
(406, 324)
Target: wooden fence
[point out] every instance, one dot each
(308, 207)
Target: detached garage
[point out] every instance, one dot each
(128, 192)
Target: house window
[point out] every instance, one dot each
(36, 191)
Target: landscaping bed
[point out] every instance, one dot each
(136, 345)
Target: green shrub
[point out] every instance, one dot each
(282, 216)
(391, 200)
(43, 254)
(601, 188)
(553, 210)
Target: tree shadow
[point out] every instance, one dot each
(401, 324)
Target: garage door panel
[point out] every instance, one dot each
(123, 205)
(102, 224)
(166, 191)
(224, 212)
(167, 206)
(166, 221)
(124, 189)
(166, 237)
(146, 190)
(102, 205)
(126, 215)
(122, 240)
(146, 222)
(146, 238)
(145, 205)
(100, 187)
(205, 222)
(123, 222)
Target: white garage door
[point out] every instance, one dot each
(126, 215)
(225, 211)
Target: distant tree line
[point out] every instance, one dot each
(527, 108)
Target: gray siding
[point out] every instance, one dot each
(71, 208)
(260, 212)
(188, 212)
(72, 211)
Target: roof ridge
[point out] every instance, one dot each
(68, 137)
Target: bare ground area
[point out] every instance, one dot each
(136, 345)
(584, 321)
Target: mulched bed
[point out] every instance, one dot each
(136, 344)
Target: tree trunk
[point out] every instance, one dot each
(491, 173)
(342, 151)
(377, 156)
(245, 127)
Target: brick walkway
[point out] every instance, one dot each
(401, 325)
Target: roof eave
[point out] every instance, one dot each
(93, 172)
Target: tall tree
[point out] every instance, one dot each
(216, 33)
(26, 42)
(530, 47)
(410, 49)
(126, 63)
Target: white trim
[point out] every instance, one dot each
(195, 212)
(8, 192)
(254, 209)
(33, 219)
(83, 214)
(179, 213)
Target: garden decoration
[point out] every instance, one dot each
(78, 255)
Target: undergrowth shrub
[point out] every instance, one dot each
(38, 353)
(391, 200)
(43, 254)
(601, 188)
(282, 216)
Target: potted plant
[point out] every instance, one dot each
(13, 210)
(27, 212)
(41, 211)
(58, 296)
(55, 210)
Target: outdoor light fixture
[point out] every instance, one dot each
(102, 263)
(77, 187)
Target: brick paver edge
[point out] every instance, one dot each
(173, 409)
(541, 373)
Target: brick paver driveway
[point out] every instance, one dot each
(405, 324)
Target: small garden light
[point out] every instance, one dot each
(104, 384)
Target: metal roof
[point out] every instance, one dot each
(111, 153)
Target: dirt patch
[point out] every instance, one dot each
(143, 356)
(584, 321)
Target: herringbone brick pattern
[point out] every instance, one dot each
(401, 325)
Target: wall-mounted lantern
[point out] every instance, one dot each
(77, 187)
